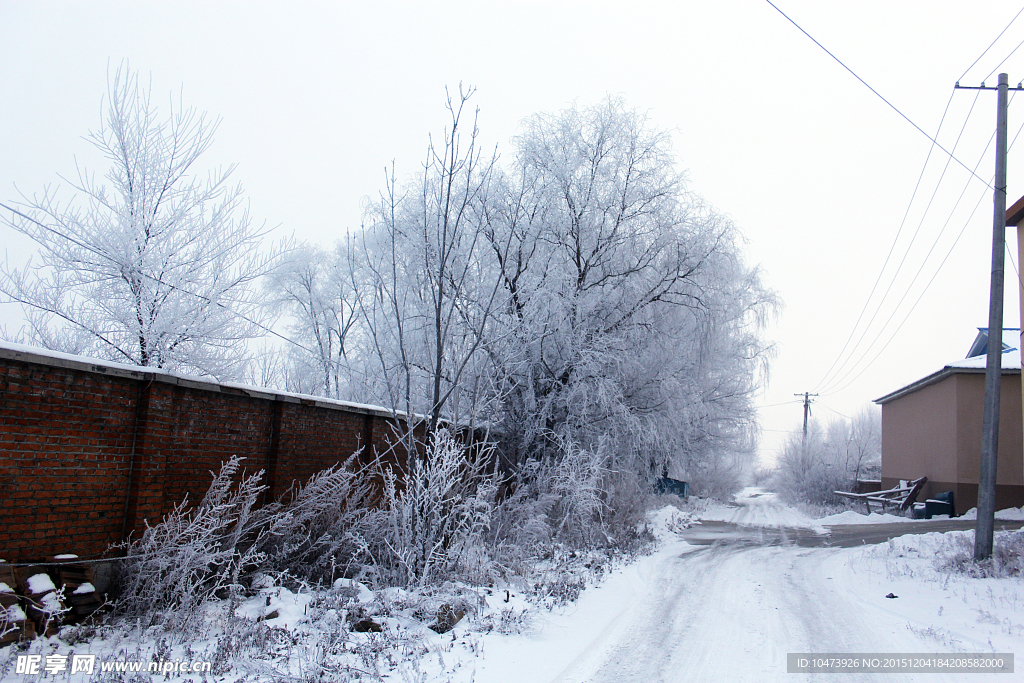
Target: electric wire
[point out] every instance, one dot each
(827, 376)
(835, 411)
(839, 380)
(1004, 61)
(775, 405)
(985, 52)
(879, 95)
(921, 295)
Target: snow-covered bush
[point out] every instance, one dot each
(193, 554)
(577, 481)
(198, 553)
(322, 532)
(1007, 556)
(436, 514)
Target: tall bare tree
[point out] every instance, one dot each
(151, 265)
(320, 291)
(432, 297)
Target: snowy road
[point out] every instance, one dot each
(732, 611)
(728, 606)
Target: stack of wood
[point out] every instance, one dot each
(39, 598)
(901, 497)
(15, 626)
(31, 604)
(79, 591)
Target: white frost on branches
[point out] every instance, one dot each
(151, 266)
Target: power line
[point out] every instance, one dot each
(985, 52)
(835, 411)
(774, 405)
(1004, 61)
(879, 95)
(892, 248)
(837, 380)
(920, 296)
(826, 377)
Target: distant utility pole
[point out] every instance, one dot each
(807, 409)
(993, 367)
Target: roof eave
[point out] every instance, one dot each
(935, 378)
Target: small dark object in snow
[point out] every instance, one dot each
(508, 596)
(892, 595)
(268, 601)
(273, 615)
(367, 626)
(447, 617)
(665, 485)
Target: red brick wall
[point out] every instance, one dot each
(66, 447)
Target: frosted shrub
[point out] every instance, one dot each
(322, 531)
(194, 554)
(436, 515)
(208, 551)
(577, 481)
(1007, 556)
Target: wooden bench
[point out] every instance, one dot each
(901, 497)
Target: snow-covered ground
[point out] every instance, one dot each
(716, 602)
(734, 609)
(756, 507)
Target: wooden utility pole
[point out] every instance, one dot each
(994, 361)
(807, 409)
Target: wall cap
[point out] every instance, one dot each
(56, 359)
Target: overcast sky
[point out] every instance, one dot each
(818, 172)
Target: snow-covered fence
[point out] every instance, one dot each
(89, 450)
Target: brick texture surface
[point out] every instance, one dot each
(88, 453)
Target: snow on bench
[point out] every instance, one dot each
(902, 496)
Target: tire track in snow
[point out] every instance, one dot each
(732, 611)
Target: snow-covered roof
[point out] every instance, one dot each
(979, 347)
(973, 364)
(1011, 361)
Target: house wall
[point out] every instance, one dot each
(919, 435)
(1010, 461)
(936, 432)
(89, 452)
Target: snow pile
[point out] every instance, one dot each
(666, 522)
(40, 583)
(14, 613)
(854, 517)
(1009, 514)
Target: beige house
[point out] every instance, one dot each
(932, 428)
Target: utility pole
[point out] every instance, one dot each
(807, 410)
(983, 533)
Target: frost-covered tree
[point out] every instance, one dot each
(629, 314)
(319, 290)
(431, 295)
(151, 265)
(830, 458)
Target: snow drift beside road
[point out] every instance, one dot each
(854, 517)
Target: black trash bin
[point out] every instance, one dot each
(941, 504)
